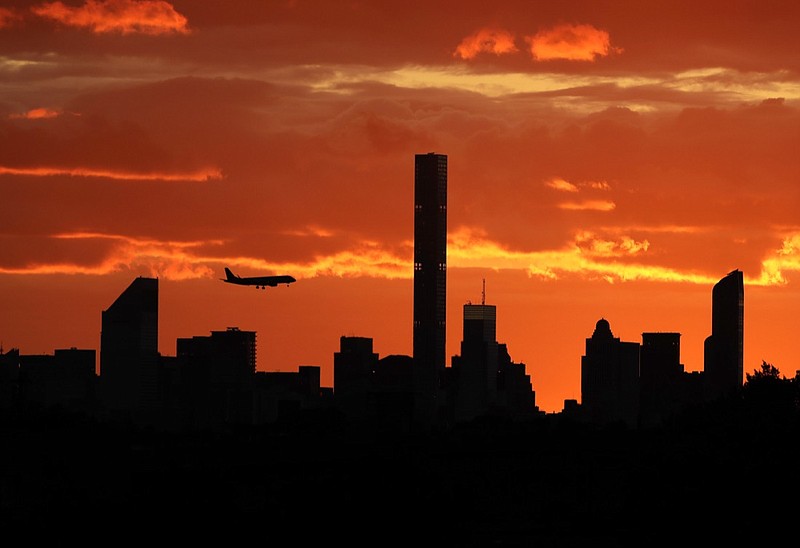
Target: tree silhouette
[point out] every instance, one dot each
(768, 371)
(768, 392)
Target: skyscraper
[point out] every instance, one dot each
(354, 375)
(661, 376)
(129, 349)
(477, 366)
(220, 371)
(610, 377)
(483, 379)
(724, 348)
(430, 278)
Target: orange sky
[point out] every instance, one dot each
(606, 159)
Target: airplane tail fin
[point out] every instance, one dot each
(229, 275)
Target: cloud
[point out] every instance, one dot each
(588, 256)
(123, 16)
(166, 259)
(495, 41)
(368, 259)
(563, 185)
(191, 176)
(593, 256)
(599, 185)
(590, 205)
(311, 231)
(36, 114)
(181, 260)
(780, 262)
(560, 184)
(592, 245)
(571, 42)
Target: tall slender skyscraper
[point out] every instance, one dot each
(129, 349)
(430, 278)
(724, 348)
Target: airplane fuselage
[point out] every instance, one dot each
(260, 282)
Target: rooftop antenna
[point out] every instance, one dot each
(483, 292)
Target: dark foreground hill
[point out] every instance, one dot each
(721, 473)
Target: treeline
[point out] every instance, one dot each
(725, 470)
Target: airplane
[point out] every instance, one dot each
(259, 281)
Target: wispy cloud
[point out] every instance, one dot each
(780, 262)
(167, 259)
(588, 205)
(560, 184)
(593, 245)
(311, 230)
(588, 255)
(117, 16)
(205, 174)
(181, 260)
(368, 259)
(598, 185)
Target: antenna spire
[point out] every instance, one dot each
(483, 292)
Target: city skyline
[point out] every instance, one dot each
(604, 161)
(618, 378)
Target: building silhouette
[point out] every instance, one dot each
(65, 379)
(218, 374)
(354, 367)
(9, 378)
(483, 380)
(370, 391)
(617, 376)
(283, 396)
(516, 397)
(430, 282)
(610, 378)
(475, 383)
(724, 348)
(661, 376)
(129, 355)
(212, 384)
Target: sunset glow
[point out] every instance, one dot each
(607, 163)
